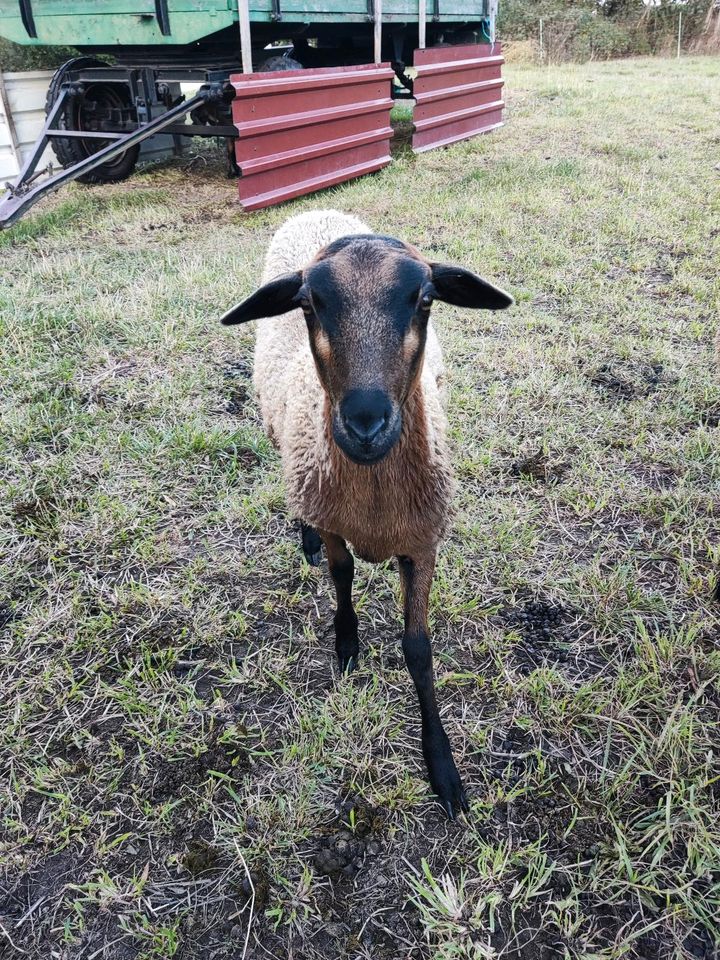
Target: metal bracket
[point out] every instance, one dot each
(370, 11)
(86, 134)
(276, 11)
(142, 86)
(162, 14)
(28, 20)
(436, 10)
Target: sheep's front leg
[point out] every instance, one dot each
(342, 570)
(416, 574)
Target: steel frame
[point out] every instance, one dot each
(458, 94)
(303, 130)
(25, 190)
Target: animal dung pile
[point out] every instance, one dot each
(539, 621)
(343, 853)
(544, 630)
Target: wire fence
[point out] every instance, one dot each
(558, 39)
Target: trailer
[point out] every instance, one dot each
(301, 89)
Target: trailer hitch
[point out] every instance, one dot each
(11, 188)
(25, 190)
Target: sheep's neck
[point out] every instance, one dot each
(396, 506)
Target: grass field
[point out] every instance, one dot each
(183, 773)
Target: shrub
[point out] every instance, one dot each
(585, 30)
(14, 57)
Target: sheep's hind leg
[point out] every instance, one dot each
(311, 544)
(233, 170)
(342, 570)
(416, 575)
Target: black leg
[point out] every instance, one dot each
(311, 544)
(233, 170)
(416, 576)
(342, 570)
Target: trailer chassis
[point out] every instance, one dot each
(145, 83)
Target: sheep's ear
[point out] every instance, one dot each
(465, 289)
(274, 298)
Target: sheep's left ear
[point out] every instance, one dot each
(465, 289)
(274, 298)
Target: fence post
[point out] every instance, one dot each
(542, 48)
(679, 33)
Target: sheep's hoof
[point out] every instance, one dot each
(311, 545)
(347, 665)
(444, 779)
(449, 806)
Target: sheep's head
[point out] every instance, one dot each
(366, 301)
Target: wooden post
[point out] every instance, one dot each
(245, 44)
(377, 30)
(493, 12)
(14, 142)
(542, 48)
(679, 34)
(422, 23)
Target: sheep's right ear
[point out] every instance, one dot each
(465, 289)
(274, 298)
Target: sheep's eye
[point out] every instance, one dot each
(426, 301)
(305, 305)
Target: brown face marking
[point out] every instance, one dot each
(322, 347)
(411, 342)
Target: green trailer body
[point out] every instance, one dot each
(100, 24)
(108, 23)
(301, 90)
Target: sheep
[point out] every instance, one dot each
(349, 376)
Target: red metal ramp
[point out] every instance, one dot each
(458, 93)
(302, 130)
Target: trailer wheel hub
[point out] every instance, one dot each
(93, 106)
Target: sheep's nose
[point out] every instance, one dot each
(365, 428)
(365, 413)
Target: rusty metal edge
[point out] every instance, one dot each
(456, 115)
(309, 117)
(446, 93)
(298, 189)
(261, 84)
(433, 69)
(439, 54)
(448, 141)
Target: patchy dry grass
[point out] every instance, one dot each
(183, 773)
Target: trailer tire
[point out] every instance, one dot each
(276, 64)
(72, 151)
